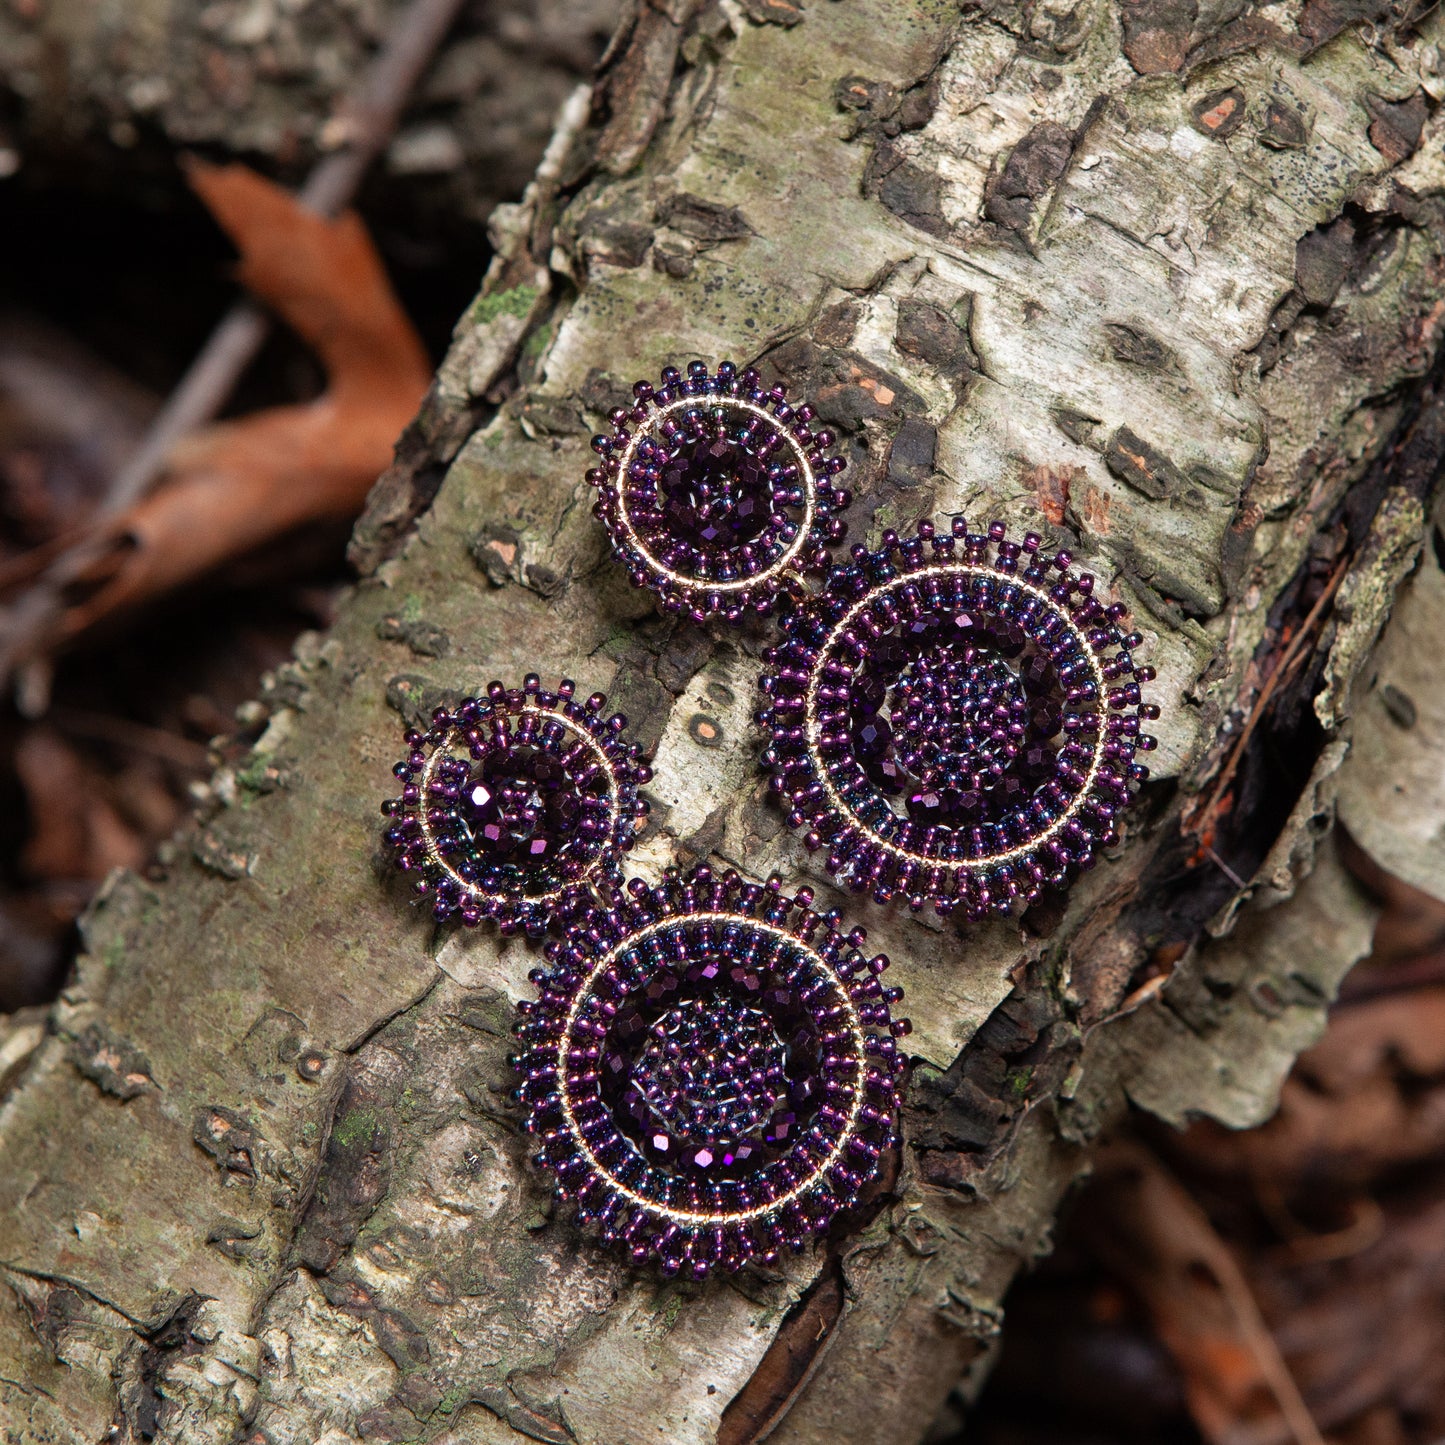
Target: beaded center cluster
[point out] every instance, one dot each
(959, 714)
(711, 1070)
(512, 802)
(713, 489)
(956, 718)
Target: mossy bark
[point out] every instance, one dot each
(1167, 277)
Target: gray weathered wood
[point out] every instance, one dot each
(1169, 278)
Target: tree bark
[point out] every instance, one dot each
(1169, 277)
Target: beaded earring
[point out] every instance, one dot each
(715, 492)
(955, 719)
(513, 803)
(710, 1068)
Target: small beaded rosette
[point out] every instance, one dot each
(955, 719)
(715, 491)
(513, 802)
(710, 1070)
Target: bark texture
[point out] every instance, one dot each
(1168, 275)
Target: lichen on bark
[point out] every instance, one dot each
(1168, 286)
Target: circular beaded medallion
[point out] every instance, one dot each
(710, 1069)
(513, 802)
(714, 490)
(955, 719)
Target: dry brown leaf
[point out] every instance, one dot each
(1364, 1333)
(1412, 922)
(76, 833)
(237, 485)
(1145, 1227)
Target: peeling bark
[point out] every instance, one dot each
(1154, 271)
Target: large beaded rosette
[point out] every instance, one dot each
(715, 490)
(709, 1070)
(513, 802)
(955, 718)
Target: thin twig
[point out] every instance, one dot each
(1272, 1365)
(1226, 869)
(1161, 1238)
(361, 128)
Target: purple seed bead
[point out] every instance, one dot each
(701, 1054)
(942, 740)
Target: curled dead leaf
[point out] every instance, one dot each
(234, 487)
(76, 832)
(1149, 1231)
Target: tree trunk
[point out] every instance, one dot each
(1166, 276)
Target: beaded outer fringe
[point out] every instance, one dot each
(716, 493)
(514, 803)
(710, 1070)
(955, 718)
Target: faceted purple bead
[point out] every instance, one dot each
(684, 1063)
(715, 493)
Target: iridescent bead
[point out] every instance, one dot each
(932, 713)
(720, 494)
(697, 1056)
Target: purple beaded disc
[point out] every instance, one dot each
(955, 718)
(515, 802)
(714, 490)
(710, 1068)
